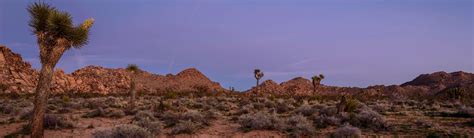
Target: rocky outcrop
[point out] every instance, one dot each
(268, 87)
(442, 78)
(298, 86)
(17, 76)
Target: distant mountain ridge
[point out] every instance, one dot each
(17, 76)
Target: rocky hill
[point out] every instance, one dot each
(17, 76)
(434, 84)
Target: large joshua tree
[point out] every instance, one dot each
(317, 81)
(55, 34)
(258, 74)
(133, 69)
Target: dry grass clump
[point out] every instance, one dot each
(298, 125)
(53, 121)
(260, 121)
(347, 131)
(123, 131)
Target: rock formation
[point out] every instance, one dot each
(17, 76)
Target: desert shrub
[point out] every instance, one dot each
(25, 113)
(66, 99)
(95, 113)
(347, 131)
(328, 111)
(258, 106)
(169, 118)
(380, 108)
(269, 103)
(470, 123)
(210, 115)
(306, 110)
(146, 120)
(6, 109)
(3, 87)
(24, 130)
(260, 121)
(466, 112)
(298, 125)
(144, 115)
(114, 113)
(185, 126)
(324, 121)
(351, 105)
(153, 126)
(424, 124)
(369, 119)
(52, 121)
(64, 110)
(222, 107)
(196, 117)
(244, 110)
(123, 131)
(282, 107)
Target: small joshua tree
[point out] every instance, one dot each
(258, 75)
(55, 34)
(317, 81)
(133, 69)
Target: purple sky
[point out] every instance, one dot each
(353, 43)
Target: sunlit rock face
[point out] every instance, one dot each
(18, 76)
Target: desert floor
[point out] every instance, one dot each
(237, 116)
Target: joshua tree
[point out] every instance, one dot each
(317, 81)
(258, 75)
(55, 34)
(133, 90)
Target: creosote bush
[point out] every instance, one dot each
(186, 126)
(123, 131)
(146, 120)
(260, 121)
(369, 119)
(298, 125)
(324, 121)
(347, 131)
(52, 121)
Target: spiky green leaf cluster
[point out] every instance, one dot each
(132, 67)
(258, 73)
(54, 24)
(318, 78)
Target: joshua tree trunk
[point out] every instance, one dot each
(49, 57)
(42, 92)
(314, 88)
(133, 92)
(257, 85)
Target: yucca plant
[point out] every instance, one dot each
(133, 69)
(55, 34)
(258, 74)
(317, 81)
